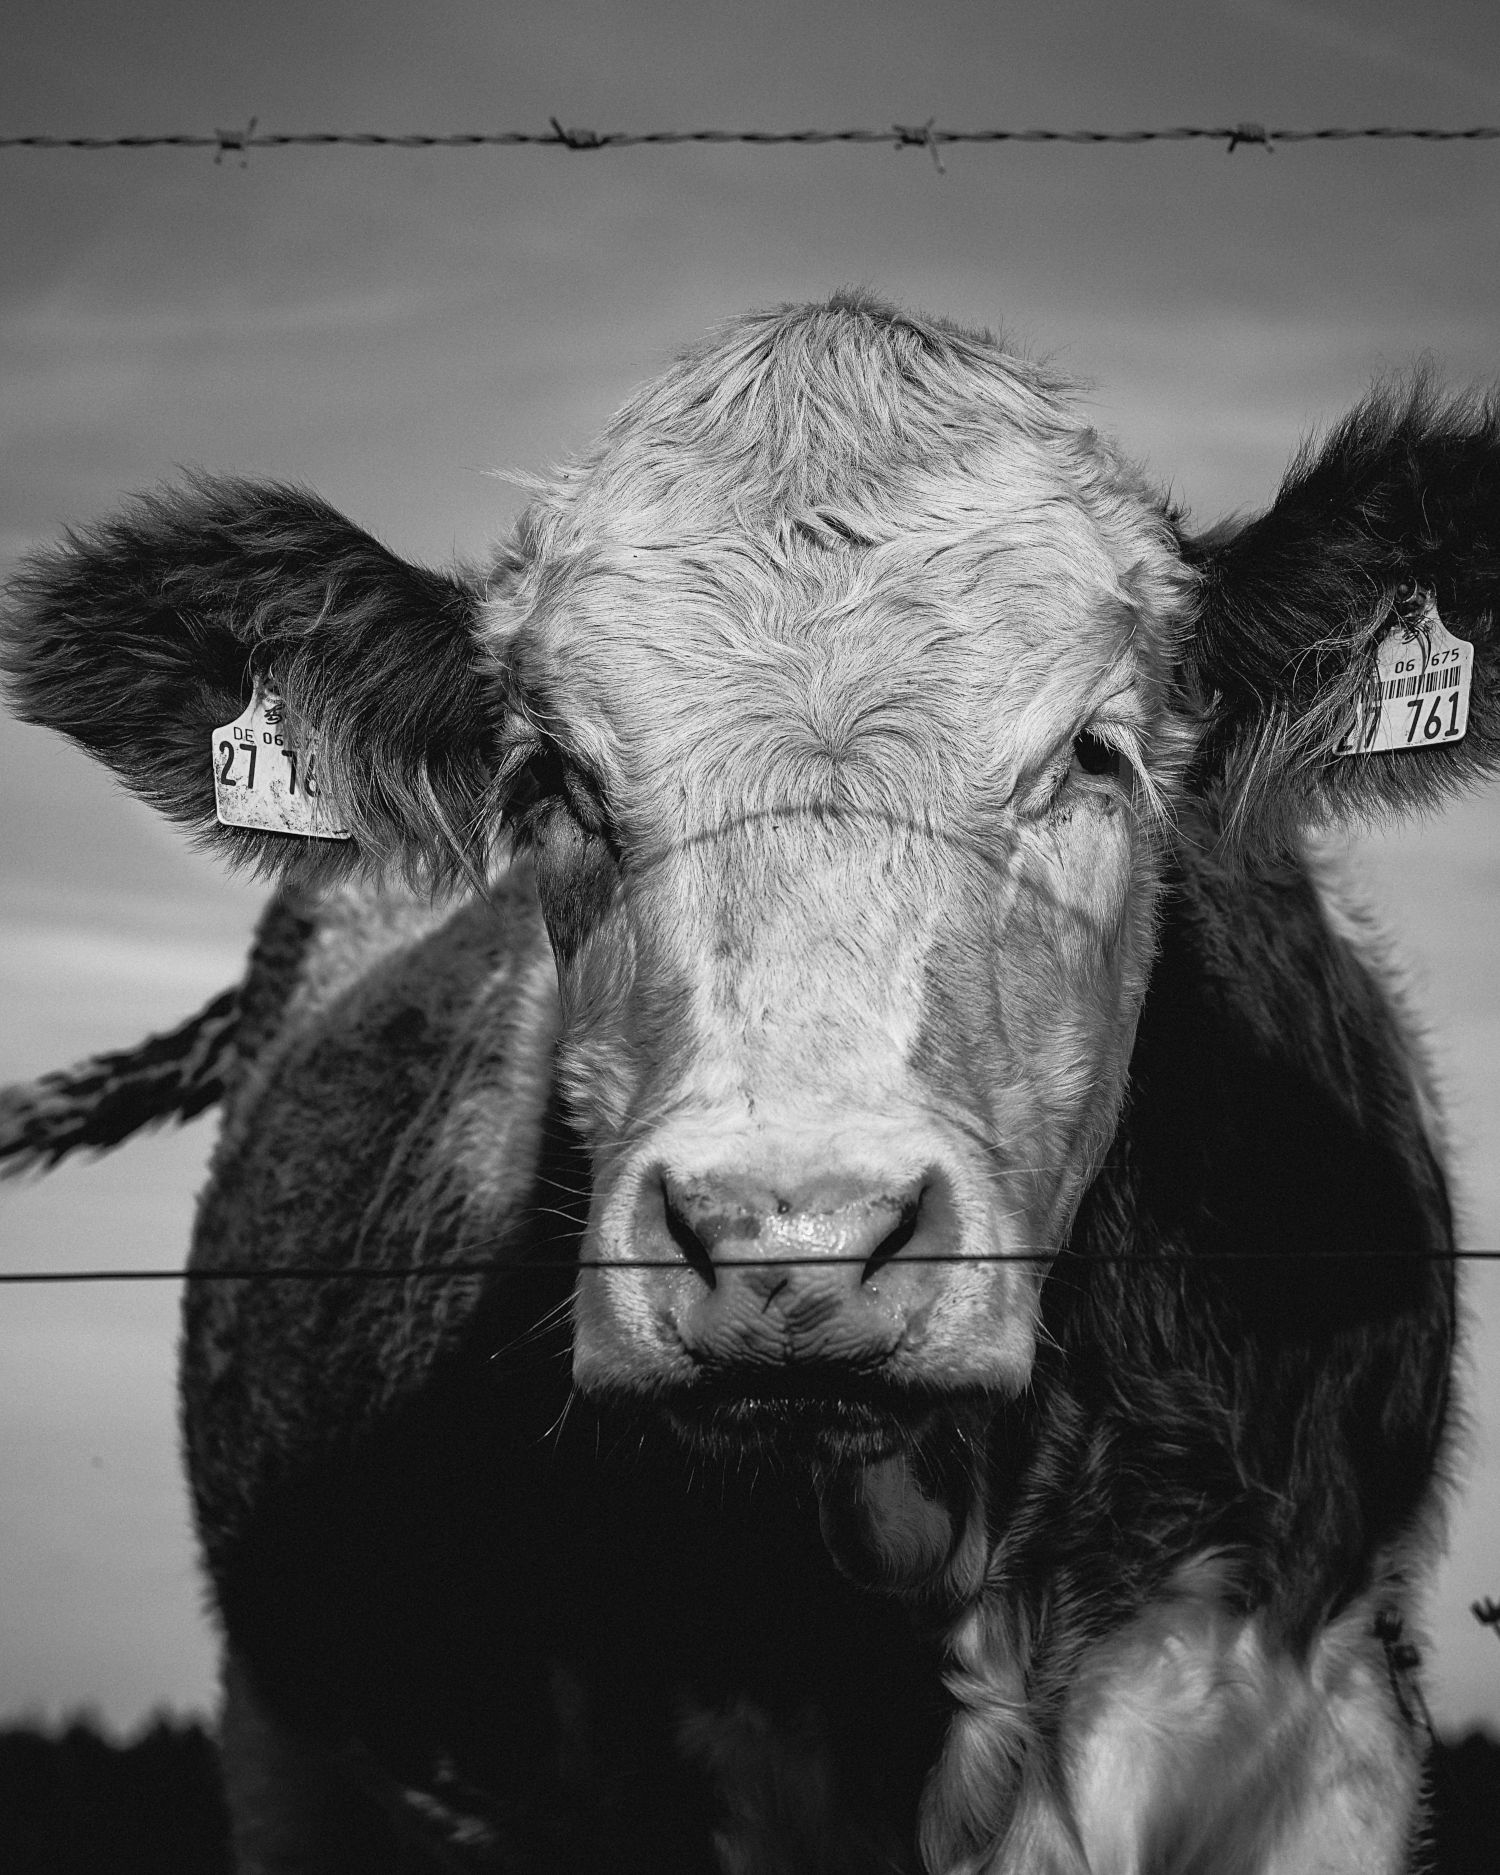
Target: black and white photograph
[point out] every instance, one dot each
(750, 938)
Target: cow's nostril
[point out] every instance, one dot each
(895, 1241)
(686, 1238)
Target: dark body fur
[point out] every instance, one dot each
(1257, 1347)
(556, 1625)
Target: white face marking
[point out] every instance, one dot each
(873, 927)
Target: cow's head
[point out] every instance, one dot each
(848, 699)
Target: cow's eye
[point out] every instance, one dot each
(534, 785)
(1093, 756)
(552, 781)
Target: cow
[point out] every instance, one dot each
(829, 1249)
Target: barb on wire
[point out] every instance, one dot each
(1251, 133)
(1487, 1614)
(230, 141)
(1403, 1662)
(899, 136)
(579, 139)
(924, 135)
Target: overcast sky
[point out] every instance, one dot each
(392, 326)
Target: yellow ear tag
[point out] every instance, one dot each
(266, 773)
(1419, 697)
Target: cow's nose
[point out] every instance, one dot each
(772, 1237)
(820, 1275)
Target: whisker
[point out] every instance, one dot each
(554, 1432)
(556, 1318)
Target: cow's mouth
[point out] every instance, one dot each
(894, 1471)
(822, 1419)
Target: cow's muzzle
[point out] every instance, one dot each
(817, 1283)
(835, 1296)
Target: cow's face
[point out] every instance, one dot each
(844, 697)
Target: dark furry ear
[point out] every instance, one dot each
(1402, 501)
(141, 635)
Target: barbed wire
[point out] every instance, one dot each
(929, 136)
(404, 1272)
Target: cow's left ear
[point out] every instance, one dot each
(1323, 607)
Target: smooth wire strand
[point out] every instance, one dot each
(403, 1272)
(928, 135)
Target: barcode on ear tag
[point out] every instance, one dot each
(266, 773)
(1419, 695)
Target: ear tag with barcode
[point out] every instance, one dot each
(1419, 695)
(266, 773)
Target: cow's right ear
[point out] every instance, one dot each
(140, 636)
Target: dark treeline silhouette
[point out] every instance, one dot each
(72, 1803)
(1466, 1808)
